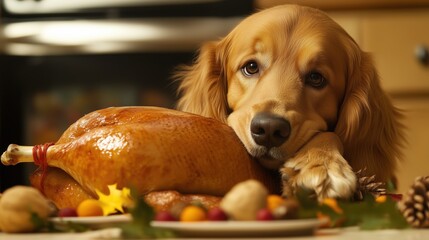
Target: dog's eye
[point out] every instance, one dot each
(250, 68)
(315, 80)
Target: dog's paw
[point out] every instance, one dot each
(325, 172)
(288, 175)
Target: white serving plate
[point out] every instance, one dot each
(275, 228)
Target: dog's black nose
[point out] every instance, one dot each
(269, 130)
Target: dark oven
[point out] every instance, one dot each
(62, 59)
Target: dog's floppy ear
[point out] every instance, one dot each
(203, 86)
(368, 123)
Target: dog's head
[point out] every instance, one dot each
(279, 78)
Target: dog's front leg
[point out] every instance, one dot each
(320, 166)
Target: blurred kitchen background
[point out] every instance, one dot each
(62, 59)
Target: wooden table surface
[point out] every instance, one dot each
(325, 234)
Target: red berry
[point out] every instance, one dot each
(67, 212)
(264, 215)
(396, 197)
(216, 214)
(164, 216)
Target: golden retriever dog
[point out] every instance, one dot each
(302, 97)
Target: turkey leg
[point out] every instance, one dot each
(17, 154)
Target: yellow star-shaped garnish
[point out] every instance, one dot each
(115, 200)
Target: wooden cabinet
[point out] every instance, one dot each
(393, 37)
(416, 159)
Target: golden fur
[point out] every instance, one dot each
(344, 126)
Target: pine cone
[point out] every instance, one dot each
(415, 206)
(368, 185)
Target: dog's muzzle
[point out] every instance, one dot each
(269, 130)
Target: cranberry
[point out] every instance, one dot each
(264, 215)
(164, 216)
(216, 214)
(67, 212)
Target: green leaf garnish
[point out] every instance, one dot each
(44, 225)
(367, 214)
(140, 227)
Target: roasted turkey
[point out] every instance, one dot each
(147, 148)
